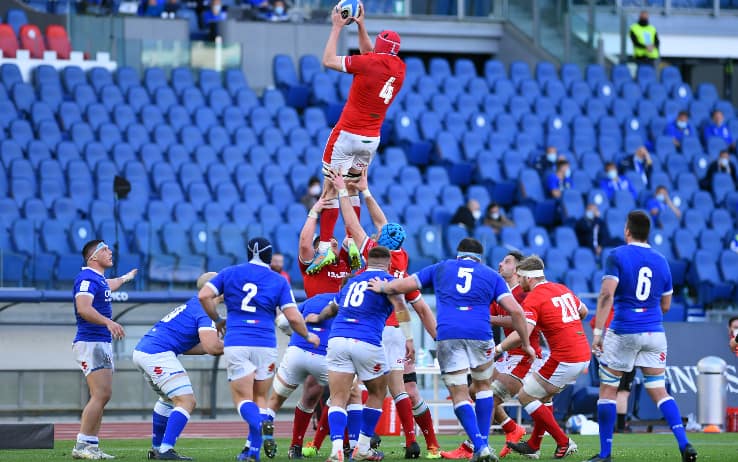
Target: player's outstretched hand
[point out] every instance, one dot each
(531, 352)
(597, 345)
(221, 326)
(363, 183)
(375, 285)
(116, 330)
(410, 350)
(335, 177)
(336, 18)
(312, 318)
(359, 18)
(130, 276)
(313, 339)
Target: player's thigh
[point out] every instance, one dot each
(338, 357)
(480, 352)
(560, 374)
(653, 350)
(619, 351)
(245, 360)
(292, 369)
(317, 366)
(164, 372)
(452, 356)
(92, 356)
(393, 342)
(338, 151)
(364, 148)
(369, 360)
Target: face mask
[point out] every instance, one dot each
(589, 214)
(661, 197)
(567, 173)
(476, 214)
(681, 124)
(279, 10)
(314, 190)
(612, 174)
(724, 162)
(495, 215)
(216, 9)
(643, 22)
(551, 157)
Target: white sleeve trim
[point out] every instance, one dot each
(343, 63)
(288, 305)
(610, 276)
(215, 289)
(417, 281)
(85, 294)
(416, 299)
(530, 321)
(668, 293)
(206, 328)
(506, 294)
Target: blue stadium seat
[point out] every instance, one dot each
(246, 100)
(192, 99)
(537, 240)
(137, 97)
(451, 197)
(35, 210)
(182, 79)
(198, 194)
(620, 75)
(126, 77)
(430, 240)
(10, 74)
(572, 205)
(570, 73)
(722, 184)
(80, 232)
(309, 66)
(557, 264)
(98, 77)
(243, 214)
(54, 238)
(511, 238)
(615, 221)
(522, 217)
(661, 242)
(605, 92)
(584, 261)
(111, 96)
(706, 277)
(494, 70)
(483, 234)
(729, 267)
(566, 240)
(531, 188)
(137, 136)
(235, 81)
(722, 223)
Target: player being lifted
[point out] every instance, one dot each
(637, 283)
(378, 77)
(392, 235)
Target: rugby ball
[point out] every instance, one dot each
(575, 422)
(349, 9)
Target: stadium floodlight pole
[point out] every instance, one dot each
(121, 188)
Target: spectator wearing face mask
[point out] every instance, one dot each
(312, 194)
(717, 128)
(467, 215)
(723, 164)
(614, 182)
(680, 128)
(279, 11)
(546, 162)
(661, 203)
(560, 180)
(591, 230)
(495, 218)
(640, 162)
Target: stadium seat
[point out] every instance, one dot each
(58, 41)
(537, 240)
(430, 240)
(32, 40)
(8, 41)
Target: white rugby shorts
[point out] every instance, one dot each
(622, 352)
(560, 374)
(164, 373)
(462, 354)
(345, 150)
(393, 342)
(518, 366)
(297, 364)
(91, 356)
(355, 356)
(244, 360)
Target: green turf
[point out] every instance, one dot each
(635, 447)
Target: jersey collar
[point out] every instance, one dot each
(369, 268)
(641, 244)
(93, 270)
(254, 261)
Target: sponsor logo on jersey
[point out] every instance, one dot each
(352, 320)
(252, 321)
(158, 370)
(465, 308)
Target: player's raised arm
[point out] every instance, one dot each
(365, 43)
(331, 59)
(116, 283)
(347, 209)
(306, 251)
(375, 211)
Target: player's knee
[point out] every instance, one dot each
(501, 391)
(482, 375)
(187, 401)
(608, 378)
(533, 388)
(655, 381)
(454, 380)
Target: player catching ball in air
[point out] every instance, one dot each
(378, 76)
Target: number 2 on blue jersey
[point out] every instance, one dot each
(250, 290)
(465, 274)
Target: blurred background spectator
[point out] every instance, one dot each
(277, 265)
(546, 162)
(679, 128)
(661, 203)
(495, 218)
(467, 215)
(612, 181)
(312, 194)
(591, 230)
(212, 16)
(559, 180)
(723, 164)
(640, 162)
(717, 128)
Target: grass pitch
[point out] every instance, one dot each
(643, 447)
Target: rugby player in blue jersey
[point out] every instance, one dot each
(252, 293)
(92, 345)
(188, 330)
(302, 359)
(465, 288)
(637, 283)
(355, 349)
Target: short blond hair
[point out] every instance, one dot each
(531, 263)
